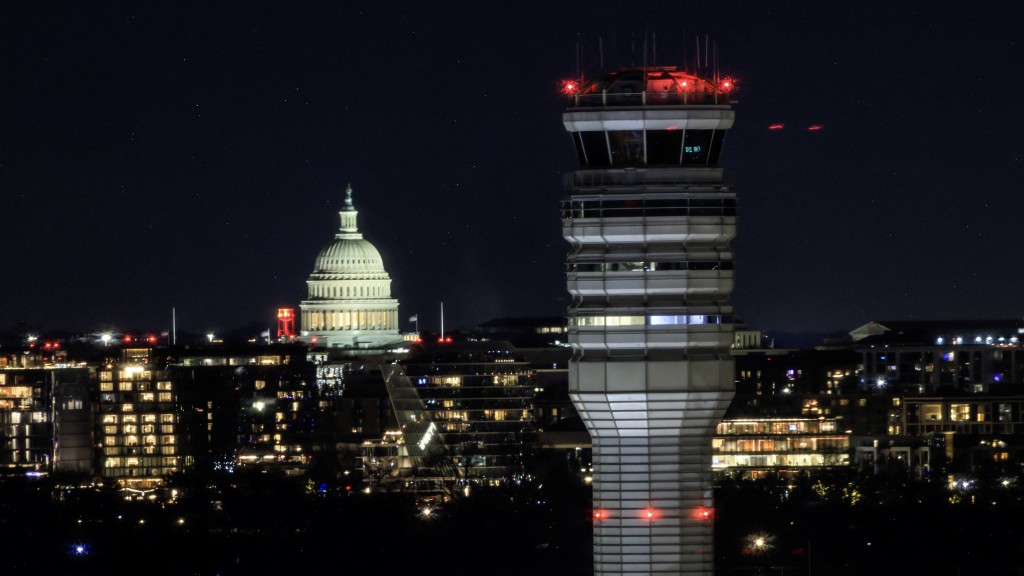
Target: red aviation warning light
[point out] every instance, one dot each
(703, 513)
(650, 513)
(814, 127)
(600, 515)
(727, 84)
(570, 87)
(776, 126)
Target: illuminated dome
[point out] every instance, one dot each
(348, 255)
(349, 302)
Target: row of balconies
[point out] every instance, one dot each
(637, 283)
(654, 229)
(645, 337)
(713, 178)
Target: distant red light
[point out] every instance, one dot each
(703, 513)
(651, 514)
(814, 127)
(727, 85)
(127, 338)
(600, 515)
(570, 87)
(151, 339)
(776, 126)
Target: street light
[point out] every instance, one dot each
(759, 543)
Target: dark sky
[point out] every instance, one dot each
(194, 155)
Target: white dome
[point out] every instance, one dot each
(349, 301)
(345, 255)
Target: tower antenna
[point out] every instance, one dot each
(578, 76)
(715, 44)
(645, 60)
(696, 68)
(685, 64)
(600, 52)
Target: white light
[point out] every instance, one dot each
(259, 405)
(210, 336)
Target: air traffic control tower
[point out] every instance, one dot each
(649, 215)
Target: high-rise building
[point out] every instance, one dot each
(45, 423)
(349, 303)
(649, 215)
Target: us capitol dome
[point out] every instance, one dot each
(349, 303)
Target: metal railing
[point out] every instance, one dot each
(617, 99)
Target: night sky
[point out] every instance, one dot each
(195, 155)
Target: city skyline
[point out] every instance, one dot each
(196, 158)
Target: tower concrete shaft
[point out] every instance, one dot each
(649, 216)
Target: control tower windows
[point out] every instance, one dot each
(578, 144)
(663, 146)
(696, 145)
(716, 147)
(600, 149)
(627, 147)
(595, 144)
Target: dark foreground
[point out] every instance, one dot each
(836, 525)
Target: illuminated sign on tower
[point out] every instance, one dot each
(649, 215)
(285, 323)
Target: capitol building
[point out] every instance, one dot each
(349, 304)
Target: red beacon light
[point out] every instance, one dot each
(127, 338)
(727, 84)
(151, 339)
(600, 515)
(570, 87)
(814, 127)
(650, 513)
(703, 513)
